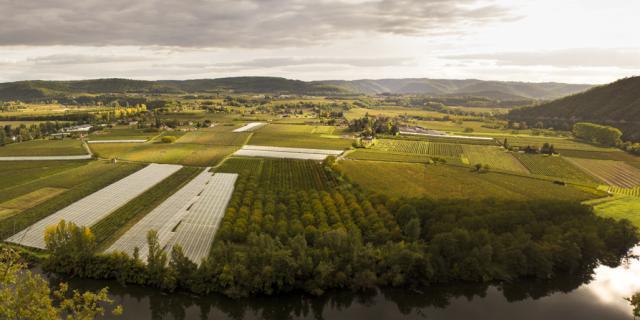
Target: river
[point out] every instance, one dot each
(598, 295)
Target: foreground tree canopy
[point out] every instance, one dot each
(24, 295)
(275, 241)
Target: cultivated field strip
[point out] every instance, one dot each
(285, 153)
(46, 158)
(198, 226)
(118, 141)
(295, 150)
(494, 157)
(163, 218)
(420, 147)
(250, 127)
(614, 173)
(632, 192)
(91, 209)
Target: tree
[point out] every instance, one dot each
(24, 295)
(169, 139)
(70, 247)
(635, 303)
(412, 229)
(157, 263)
(604, 135)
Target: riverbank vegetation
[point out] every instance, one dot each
(281, 239)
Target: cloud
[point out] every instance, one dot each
(77, 59)
(624, 58)
(231, 23)
(286, 62)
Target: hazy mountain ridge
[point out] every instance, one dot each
(39, 89)
(546, 90)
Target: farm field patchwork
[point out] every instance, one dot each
(19, 172)
(443, 139)
(122, 133)
(163, 218)
(80, 182)
(558, 143)
(199, 225)
(178, 153)
(618, 207)
(93, 208)
(632, 192)
(615, 173)
(368, 154)
(494, 157)
(297, 136)
(210, 137)
(252, 126)
(447, 150)
(282, 174)
(26, 201)
(446, 182)
(553, 166)
(110, 228)
(285, 153)
(66, 147)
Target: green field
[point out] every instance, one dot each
(122, 133)
(445, 150)
(368, 154)
(618, 207)
(188, 154)
(443, 182)
(15, 173)
(29, 200)
(553, 166)
(215, 137)
(298, 136)
(558, 143)
(79, 182)
(494, 157)
(67, 147)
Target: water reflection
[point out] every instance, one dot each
(584, 295)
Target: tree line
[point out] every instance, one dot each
(313, 241)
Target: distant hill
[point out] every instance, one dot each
(34, 90)
(439, 87)
(616, 104)
(30, 90)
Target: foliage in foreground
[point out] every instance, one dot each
(634, 300)
(24, 295)
(425, 242)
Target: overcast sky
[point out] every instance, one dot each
(577, 41)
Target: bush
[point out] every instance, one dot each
(168, 139)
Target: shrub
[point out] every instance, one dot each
(168, 139)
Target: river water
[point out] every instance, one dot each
(598, 295)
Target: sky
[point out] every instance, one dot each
(574, 41)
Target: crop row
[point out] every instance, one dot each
(552, 166)
(615, 173)
(634, 192)
(420, 147)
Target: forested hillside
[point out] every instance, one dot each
(33, 90)
(38, 90)
(471, 87)
(616, 104)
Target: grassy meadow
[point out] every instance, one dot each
(444, 182)
(66, 147)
